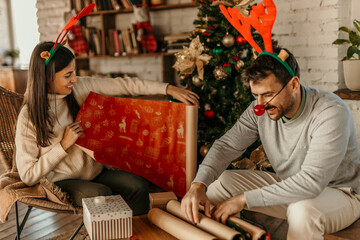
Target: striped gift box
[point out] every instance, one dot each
(107, 217)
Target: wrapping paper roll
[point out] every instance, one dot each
(177, 227)
(256, 233)
(209, 225)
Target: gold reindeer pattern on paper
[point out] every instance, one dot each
(140, 136)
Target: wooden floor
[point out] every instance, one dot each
(43, 225)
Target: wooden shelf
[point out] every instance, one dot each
(157, 8)
(127, 55)
(348, 94)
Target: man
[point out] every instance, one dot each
(310, 140)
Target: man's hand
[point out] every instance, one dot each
(190, 203)
(182, 95)
(225, 209)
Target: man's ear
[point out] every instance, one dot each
(295, 84)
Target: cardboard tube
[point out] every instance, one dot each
(207, 224)
(177, 227)
(255, 232)
(191, 145)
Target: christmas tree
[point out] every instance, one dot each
(212, 67)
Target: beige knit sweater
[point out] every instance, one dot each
(52, 162)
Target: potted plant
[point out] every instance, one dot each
(351, 62)
(13, 54)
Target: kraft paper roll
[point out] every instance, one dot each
(177, 227)
(191, 143)
(207, 224)
(255, 232)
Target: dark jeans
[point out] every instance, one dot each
(134, 189)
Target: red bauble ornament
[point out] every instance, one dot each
(209, 114)
(240, 40)
(259, 110)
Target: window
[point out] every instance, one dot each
(25, 28)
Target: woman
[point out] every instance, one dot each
(46, 131)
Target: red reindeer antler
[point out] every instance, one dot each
(259, 19)
(85, 11)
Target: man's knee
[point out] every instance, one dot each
(304, 216)
(216, 191)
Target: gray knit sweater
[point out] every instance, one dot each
(317, 149)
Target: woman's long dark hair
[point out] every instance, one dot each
(40, 79)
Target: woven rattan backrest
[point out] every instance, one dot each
(10, 104)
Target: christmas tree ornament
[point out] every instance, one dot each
(204, 149)
(227, 69)
(207, 106)
(218, 49)
(240, 40)
(239, 64)
(242, 6)
(220, 73)
(196, 81)
(208, 40)
(236, 93)
(191, 57)
(228, 40)
(228, 3)
(209, 114)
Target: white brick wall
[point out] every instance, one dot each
(308, 28)
(51, 17)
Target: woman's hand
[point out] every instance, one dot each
(182, 95)
(72, 133)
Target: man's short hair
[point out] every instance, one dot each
(264, 65)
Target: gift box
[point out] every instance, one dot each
(107, 217)
(159, 200)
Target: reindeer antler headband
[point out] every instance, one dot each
(263, 22)
(85, 11)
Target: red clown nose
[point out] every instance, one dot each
(259, 110)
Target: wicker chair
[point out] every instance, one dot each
(10, 104)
